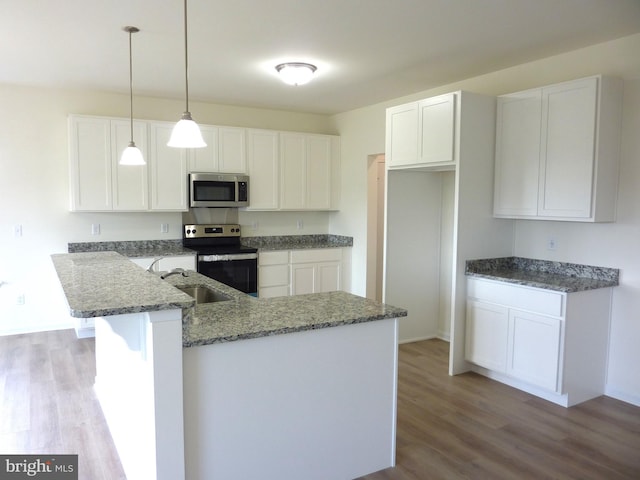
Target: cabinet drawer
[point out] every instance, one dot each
(536, 300)
(272, 292)
(280, 257)
(273, 275)
(316, 255)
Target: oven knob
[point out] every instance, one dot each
(193, 231)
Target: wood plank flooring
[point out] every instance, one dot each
(462, 427)
(47, 402)
(470, 427)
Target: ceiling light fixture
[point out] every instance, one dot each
(186, 133)
(132, 154)
(296, 73)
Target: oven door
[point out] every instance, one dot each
(239, 271)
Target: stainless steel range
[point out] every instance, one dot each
(222, 257)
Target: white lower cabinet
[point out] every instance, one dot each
(297, 272)
(316, 271)
(548, 343)
(273, 274)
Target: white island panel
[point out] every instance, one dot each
(317, 404)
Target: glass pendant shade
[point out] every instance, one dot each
(132, 155)
(186, 134)
(296, 73)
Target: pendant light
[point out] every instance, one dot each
(186, 133)
(132, 154)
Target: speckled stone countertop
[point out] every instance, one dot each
(134, 248)
(98, 284)
(106, 283)
(558, 276)
(296, 242)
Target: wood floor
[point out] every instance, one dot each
(47, 402)
(448, 427)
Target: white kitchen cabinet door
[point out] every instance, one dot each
(328, 277)
(436, 129)
(487, 335)
(306, 163)
(168, 170)
(130, 183)
(318, 172)
(402, 135)
(534, 349)
(517, 164)
(293, 171)
(90, 164)
(232, 156)
(263, 167)
(303, 278)
(568, 143)
(205, 159)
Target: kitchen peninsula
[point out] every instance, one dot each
(304, 386)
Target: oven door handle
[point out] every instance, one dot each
(227, 257)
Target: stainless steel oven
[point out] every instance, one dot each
(222, 257)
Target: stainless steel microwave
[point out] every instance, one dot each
(218, 190)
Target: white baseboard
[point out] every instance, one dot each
(618, 394)
(416, 339)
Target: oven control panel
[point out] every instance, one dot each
(211, 230)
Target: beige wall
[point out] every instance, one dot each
(34, 190)
(611, 245)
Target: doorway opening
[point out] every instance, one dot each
(375, 225)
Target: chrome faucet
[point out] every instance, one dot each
(150, 269)
(175, 271)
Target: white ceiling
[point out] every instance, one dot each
(367, 51)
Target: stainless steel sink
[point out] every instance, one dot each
(203, 294)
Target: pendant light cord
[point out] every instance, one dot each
(130, 86)
(186, 60)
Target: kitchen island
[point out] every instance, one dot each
(292, 387)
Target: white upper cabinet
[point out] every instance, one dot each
(557, 151)
(232, 156)
(90, 164)
(168, 171)
(263, 166)
(436, 128)
(130, 182)
(98, 182)
(422, 134)
(205, 159)
(307, 166)
(225, 151)
(287, 170)
(402, 135)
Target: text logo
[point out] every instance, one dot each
(50, 467)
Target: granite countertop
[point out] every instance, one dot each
(106, 283)
(297, 242)
(135, 248)
(98, 284)
(550, 275)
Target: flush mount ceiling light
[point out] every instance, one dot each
(132, 154)
(186, 133)
(296, 73)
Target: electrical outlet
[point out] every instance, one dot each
(255, 225)
(164, 228)
(95, 229)
(20, 299)
(300, 224)
(552, 243)
(17, 231)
